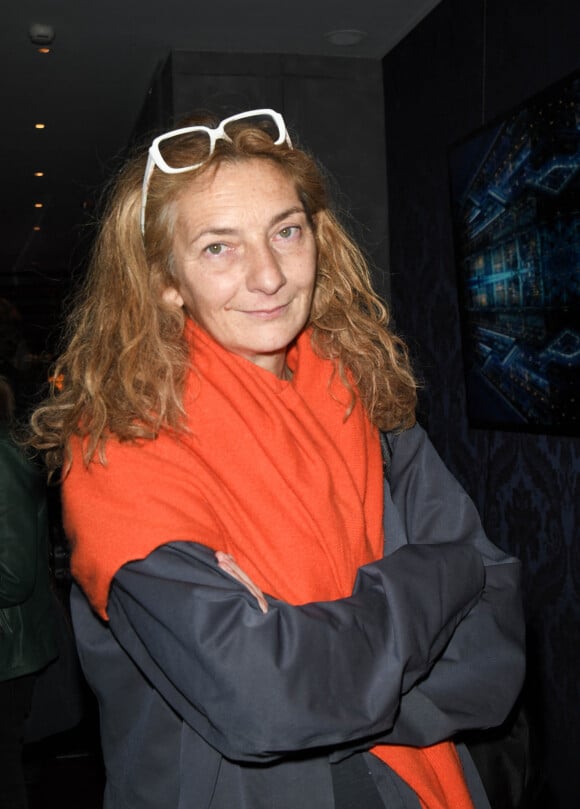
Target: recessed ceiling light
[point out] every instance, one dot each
(345, 37)
(38, 205)
(41, 34)
(39, 174)
(39, 126)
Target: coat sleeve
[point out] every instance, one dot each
(258, 686)
(480, 673)
(18, 526)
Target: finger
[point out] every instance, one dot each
(228, 565)
(234, 570)
(222, 556)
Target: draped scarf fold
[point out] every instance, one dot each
(271, 471)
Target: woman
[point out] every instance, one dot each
(265, 622)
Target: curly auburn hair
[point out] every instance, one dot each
(126, 359)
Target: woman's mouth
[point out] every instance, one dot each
(267, 314)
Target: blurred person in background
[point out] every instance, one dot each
(27, 641)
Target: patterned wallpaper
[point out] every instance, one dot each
(527, 487)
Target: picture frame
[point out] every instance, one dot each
(515, 206)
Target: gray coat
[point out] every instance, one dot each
(207, 703)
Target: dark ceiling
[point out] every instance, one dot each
(88, 92)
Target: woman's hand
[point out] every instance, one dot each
(228, 565)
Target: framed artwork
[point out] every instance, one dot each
(515, 197)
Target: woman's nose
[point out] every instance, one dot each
(264, 273)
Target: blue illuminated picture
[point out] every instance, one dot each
(515, 189)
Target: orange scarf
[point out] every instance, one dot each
(270, 472)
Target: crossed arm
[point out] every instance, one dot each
(429, 643)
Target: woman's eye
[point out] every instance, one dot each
(289, 232)
(215, 249)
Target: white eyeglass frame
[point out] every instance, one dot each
(155, 157)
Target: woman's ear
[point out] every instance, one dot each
(172, 296)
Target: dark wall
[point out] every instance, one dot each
(468, 61)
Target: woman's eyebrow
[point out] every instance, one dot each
(230, 231)
(288, 212)
(213, 231)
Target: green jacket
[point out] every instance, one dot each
(27, 640)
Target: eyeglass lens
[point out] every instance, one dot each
(180, 151)
(264, 122)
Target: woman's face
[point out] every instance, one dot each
(245, 260)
